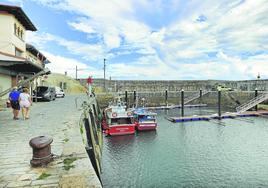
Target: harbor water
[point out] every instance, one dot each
(189, 154)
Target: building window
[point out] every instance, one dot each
(18, 52)
(18, 31)
(15, 29)
(18, 34)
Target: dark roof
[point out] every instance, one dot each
(34, 51)
(37, 53)
(20, 66)
(20, 15)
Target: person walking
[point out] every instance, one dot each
(14, 101)
(25, 103)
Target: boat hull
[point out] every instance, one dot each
(146, 126)
(116, 130)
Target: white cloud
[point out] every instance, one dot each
(61, 65)
(178, 49)
(91, 52)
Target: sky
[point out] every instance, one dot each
(152, 39)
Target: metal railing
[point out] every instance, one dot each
(195, 96)
(24, 82)
(251, 103)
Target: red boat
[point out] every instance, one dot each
(145, 120)
(117, 120)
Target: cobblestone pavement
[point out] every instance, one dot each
(58, 119)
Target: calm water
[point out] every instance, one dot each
(192, 154)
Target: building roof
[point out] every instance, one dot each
(37, 53)
(20, 15)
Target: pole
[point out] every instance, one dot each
(36, 90)
(256, 94)
(104, 72)
(182, 102)
(126, 98)
(166, 97)
(76, 72)
(134, 97)
(219, 104)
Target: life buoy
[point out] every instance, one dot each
(114, 114)
(129, 113)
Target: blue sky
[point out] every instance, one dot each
(152, 39)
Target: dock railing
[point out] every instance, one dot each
(251, 103)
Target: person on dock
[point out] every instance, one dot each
(14, 101)
(25, 103)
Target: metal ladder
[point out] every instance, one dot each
(195, 96)
(253, 102)
(24, 82)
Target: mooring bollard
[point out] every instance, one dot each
(256, 95)
(182, 102)
(219, 104)
(41, 150)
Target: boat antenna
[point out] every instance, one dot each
(137, 101)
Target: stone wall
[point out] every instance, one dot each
(177, 85)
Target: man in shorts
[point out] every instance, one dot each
(14, 101)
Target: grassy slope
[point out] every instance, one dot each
(73, 86)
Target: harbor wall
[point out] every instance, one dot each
(177, 85)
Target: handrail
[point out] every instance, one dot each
(196, 96)
(251, 103)
(24, 82)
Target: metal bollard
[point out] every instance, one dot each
(41, 151)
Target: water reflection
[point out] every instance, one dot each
(189, 154)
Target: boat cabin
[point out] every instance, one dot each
(146, 118)
(120, 121)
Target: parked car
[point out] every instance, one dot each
(45, 93)
(224, 88)
(59, 92)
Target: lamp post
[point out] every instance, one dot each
(104, 72)
(76, 71)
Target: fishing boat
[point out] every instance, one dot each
(145, 120)
(117, 120)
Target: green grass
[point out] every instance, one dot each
(81, 129)
(68, 163)
(262, 106)
(43, 176)
(66, 140)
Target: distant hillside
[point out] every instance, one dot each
(72, 86)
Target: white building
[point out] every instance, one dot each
(18, 60)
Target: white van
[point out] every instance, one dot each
(59, 92)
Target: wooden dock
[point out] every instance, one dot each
(215, 116)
